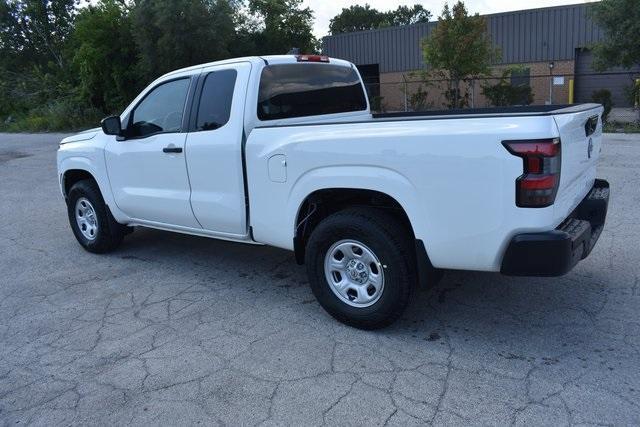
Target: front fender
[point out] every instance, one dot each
(76, 163)
(97, 171)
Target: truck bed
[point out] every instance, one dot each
(524, 110)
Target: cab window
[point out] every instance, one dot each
(215, 102)
(298, 90)
(161, 110)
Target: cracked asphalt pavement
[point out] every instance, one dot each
(174, 329)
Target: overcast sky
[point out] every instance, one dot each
(327, 9)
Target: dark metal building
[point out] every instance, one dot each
(548, 34)
(532, 38)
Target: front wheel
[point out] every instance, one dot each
(361, 267)
(90, 219)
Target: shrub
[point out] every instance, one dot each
(62, 115)
(603, 96)
(377, 104)
(418, 100)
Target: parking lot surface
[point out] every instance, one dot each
(174, 329)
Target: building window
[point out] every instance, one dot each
(521, 77)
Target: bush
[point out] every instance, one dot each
(63, 115)
(418, 100)
(603, 96)
(377, 104)
(617, 127)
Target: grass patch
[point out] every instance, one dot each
(616, 127)
(56, 116)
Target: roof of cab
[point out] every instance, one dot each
(268, 59)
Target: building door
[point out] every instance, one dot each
(617, 80)
(371, 78)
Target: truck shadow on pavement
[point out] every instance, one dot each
(473, 309)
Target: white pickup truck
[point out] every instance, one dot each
(283, 151)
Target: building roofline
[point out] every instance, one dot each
(426, 24)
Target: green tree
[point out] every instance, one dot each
(279, 25)
(171, 34)
(457, 49)
(620, 21)
(103, 56)
(33, 32)
(405, 15)
(360, 18)
(32, 38)
(356, 18)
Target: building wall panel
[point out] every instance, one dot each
(523, 36)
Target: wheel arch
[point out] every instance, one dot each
(75, 168)
(72, 176)
(324, 202)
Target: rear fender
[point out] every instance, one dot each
(379, 179)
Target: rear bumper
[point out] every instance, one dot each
(556, 252)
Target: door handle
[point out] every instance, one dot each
(172, 149)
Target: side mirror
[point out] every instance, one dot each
(111, 125)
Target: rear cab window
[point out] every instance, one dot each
(300, 90)
(216, 98)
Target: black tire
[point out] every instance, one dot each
(392, 244)
(109, 232)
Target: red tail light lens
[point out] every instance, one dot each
(312, 58)
(538, 185)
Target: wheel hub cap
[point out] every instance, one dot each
(354, 273)
(86, 218)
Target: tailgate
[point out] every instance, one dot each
(581, 139)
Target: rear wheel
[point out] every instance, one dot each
(90, 219)
(361, 267)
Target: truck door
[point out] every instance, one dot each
(147, 168)
(214, 149)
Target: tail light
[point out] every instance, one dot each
(312, 58)
(538, 185)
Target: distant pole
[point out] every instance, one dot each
(551, 65)
(570, 91)
(406, 107)
(473, 92)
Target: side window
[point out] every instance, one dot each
(298, 90)
(161, 110)
(216, 98)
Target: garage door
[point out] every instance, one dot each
(617, 80)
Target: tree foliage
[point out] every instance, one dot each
(284, 24)
(172, 34)
(620, 21)
(32, 43)
(63, 64)
(458, 48)
(405, 15)
(360, 18)
(102, 56)
(33, 32)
